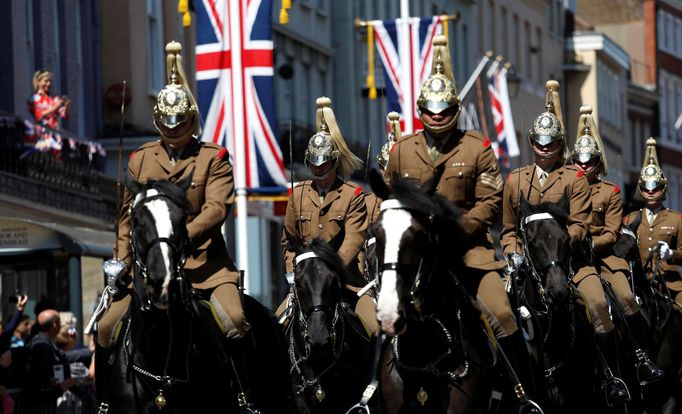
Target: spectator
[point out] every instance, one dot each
(68, 335)
(46, 357)
(45, 108)
(8, 331)
(41, 305)
(21, 332)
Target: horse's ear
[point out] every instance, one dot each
(525, 206)
(376, 181)
(184, 183)
(294, 243)
(133, 185)
(337, 240)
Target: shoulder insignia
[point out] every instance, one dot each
(493, 181)
(580, 174)
(132, 154)
(222, 153)
(486, 143)
(358, 191)
(616, 189)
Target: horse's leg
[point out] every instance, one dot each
(391, 383)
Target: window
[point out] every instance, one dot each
(492, 27)
(537, 54)
(527, 45)
(664, 108)
(156, 50)
(668, 32)
(465, 50)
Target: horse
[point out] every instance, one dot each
(663, 317)
(440, 359)
(171, 356)
(329, 348)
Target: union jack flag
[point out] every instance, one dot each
(507, 145)
(235, 89)
(418, 62)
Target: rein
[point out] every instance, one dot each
(297, 358)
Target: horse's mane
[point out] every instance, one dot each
(437, 212)
(331, 258)
(172, 191)
(555, 209)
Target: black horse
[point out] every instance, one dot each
(441, 360)
(554, 326)
(663, 317)
(171, 356)
(329, 348)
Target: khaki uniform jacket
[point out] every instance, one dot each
(524, 181)
(471, 179)
(667, 227)
(210, 195)
(373, 204)
(343, 208)
(606, 223)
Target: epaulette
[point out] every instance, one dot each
(357, 188)
(478, 136)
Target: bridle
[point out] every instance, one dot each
(296, 357)
(417, 291)
(537, 278)
(165, 382)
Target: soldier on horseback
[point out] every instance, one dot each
(549, 179)
(605, 227)
(461, 166)
(329, 204)
(661, 228)
(178, 155)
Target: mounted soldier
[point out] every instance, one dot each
(549, 179)
(605, 228)
(373, 203)
(177, 156)
(461, 166)
(328, 205)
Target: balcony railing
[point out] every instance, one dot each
(54, 168)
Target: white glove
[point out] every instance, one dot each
(290, 277)
(516, 260)
(664, 251)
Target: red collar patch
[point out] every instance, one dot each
(486, 143)
(358, 191)
(616, 189)
(222, 153)
(580, 174)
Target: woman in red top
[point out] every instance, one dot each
(45, 108)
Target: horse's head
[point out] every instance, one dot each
(319, 278)
(626, 245)
(159, 238)
(547, 243)
(416, 247)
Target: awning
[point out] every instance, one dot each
(23, 236)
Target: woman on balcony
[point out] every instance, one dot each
(47, 109)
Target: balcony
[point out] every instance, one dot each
(54, 171)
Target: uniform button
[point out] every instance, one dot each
(650, 239)
(301, 217)
(460, 174)
(651, 229)
(406, 174)
(437, 187)
(319, 225)
(193, 185)
(542, 195)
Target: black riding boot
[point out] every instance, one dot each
(514, 348)
(615, 390)
(647, 371)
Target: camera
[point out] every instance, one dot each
(14, 298)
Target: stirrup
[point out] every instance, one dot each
(526, 405)
(610, 379)
(245, 406)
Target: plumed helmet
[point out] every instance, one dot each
(652, 176)
(588, 144)
(548, 127)
(328, 143)
(439, 91)
(393, 136)
(175, 103)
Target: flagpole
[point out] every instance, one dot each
(481, 65)
(406, 72)
(240, 144)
